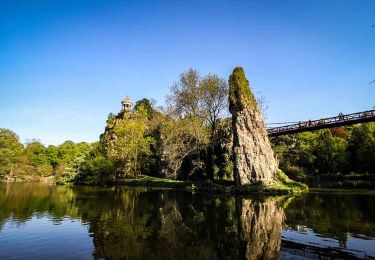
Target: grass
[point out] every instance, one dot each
(282, 186)
(148, 181)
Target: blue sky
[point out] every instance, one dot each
(64, 65)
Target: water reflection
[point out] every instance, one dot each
(260, 225)
(331, 224)
(141, 223)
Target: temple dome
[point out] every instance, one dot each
(127, 100)
(127, 104)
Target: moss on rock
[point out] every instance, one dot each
(240, 95)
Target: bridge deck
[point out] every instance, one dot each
(311, 125)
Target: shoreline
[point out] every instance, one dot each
(283, 186)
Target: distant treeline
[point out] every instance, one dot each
(340, 150)
(33, 160)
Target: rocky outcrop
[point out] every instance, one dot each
(254, 159)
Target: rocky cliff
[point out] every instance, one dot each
(254, 160)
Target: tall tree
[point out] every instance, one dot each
(182, 139)
(185, 95)
(214, 98)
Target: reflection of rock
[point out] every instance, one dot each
(260, 228)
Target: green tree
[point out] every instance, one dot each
(199, 98)
(37, 153)
(67, 151)
(10, 150)
(71, 173)
(362, 148)
(184, 100)
(183, 139)
(131, 144)
(331, 153)
(214, 96)
(145, 105)
(52, 156)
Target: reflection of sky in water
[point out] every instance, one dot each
(42, 237)
(356, 246)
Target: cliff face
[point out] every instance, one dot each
(254, 160)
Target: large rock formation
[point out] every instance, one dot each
(254, 160)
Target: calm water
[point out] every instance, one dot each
(42, 222)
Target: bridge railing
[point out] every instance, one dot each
(341, 119)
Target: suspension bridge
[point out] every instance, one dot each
(329, 122)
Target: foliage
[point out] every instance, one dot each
(10, 150)
(343, 150)
(131, 144)
(361, 148)
(331, 156)
(240, 95)
(34, 160)
(203, 100)
(213, 92)
(184, 99)
(182, 139)
(70, 174)
(146, 105)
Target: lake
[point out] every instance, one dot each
(40, 221)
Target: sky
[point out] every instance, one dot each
(65, 65)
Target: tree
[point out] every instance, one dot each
(146, 105)
(214, 98)
(10, 150)
(36, 152)
(182, 139)
(362, 148)
(52, 156)
(67, 151)
(184, 100)
(200, 98)
(131, 144)
(331, 156)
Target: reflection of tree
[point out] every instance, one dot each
(177, 225)
(132, 223)
(121, 227)
(21, 201)
(333, 215)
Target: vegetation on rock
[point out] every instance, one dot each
(240, 95)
